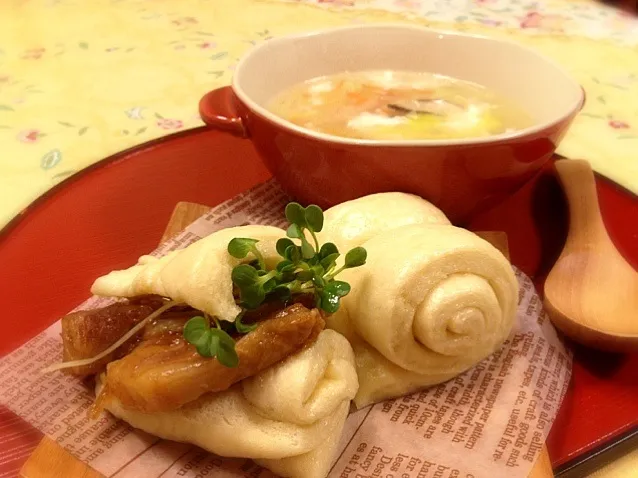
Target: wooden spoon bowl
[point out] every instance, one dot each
(591, 293)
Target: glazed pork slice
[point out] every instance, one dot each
(86, 333)
(165, 372)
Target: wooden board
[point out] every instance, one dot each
(50, 460)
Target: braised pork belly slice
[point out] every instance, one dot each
(86, 333)
(164, 372)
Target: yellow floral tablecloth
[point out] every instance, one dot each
(80, 80)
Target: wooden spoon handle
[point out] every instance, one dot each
(579, 185)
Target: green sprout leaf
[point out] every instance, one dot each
(338, 288)
(328, 249)
(313, 217)
(329, 261)
(211, 342)
(282, 245)
(250, 284)
(294, 232)
(307, 251)
(285, 266)
(283, 291)
(319, 282)
(296, 214)
(244, 275)
(241, 327)
(318, 270)
(225, 348)
(356, 257)
(305, 276)
(252, 296)
(196, 331)
(269, 285)
(293, 253)
(209, 347)
(329, 301)
(241, 246)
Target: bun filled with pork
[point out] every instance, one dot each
(223, 344)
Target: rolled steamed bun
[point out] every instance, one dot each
(352, 223)
(431, 302)
(199, 275)
(288, 418)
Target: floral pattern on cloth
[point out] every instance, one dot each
(82, 80)
(587, 19)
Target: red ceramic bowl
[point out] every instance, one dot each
(461, 176)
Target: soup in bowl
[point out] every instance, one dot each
(398, 105)
(337, 114)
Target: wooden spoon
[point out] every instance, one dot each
(591, 293)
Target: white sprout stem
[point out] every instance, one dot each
(112, 348)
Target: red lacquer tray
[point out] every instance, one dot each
(115, 211)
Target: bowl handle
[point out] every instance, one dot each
(218, 109)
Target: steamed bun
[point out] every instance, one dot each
(288, 418)
(352, 223)
(199, 275)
